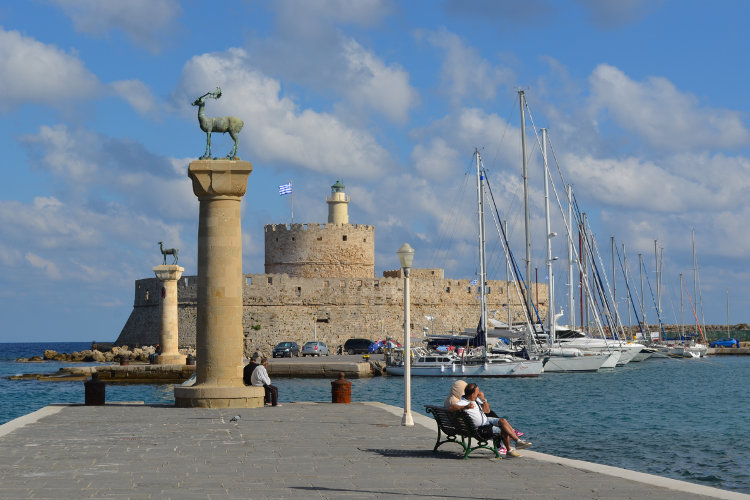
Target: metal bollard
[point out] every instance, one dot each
(341, 390)
(94, 391)
(190, 360)
(124, 360)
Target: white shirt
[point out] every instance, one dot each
(476, 414)
(260, 377)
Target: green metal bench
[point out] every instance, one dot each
(458, 424)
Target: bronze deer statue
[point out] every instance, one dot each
(169, 251)
(224, 124)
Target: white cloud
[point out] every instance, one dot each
(60, 153)
(90, 165)
(34, 72)
(311, 49)
(49, 267)
(137, 94)
(465, 74)
(661, 115)
(370, 85)
(275, 129)
(146, 22)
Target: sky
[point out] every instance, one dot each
(645, 102)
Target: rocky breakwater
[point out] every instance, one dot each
(112, 367)
(138, 354)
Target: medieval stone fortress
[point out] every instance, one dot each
(320, 284)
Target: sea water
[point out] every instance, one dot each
(684, 419)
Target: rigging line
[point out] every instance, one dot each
(517, 280)
(518, 276)
(606, 294)
(579, 258)
(449, 228)
(511, 111)
(627, 286)
(700, 293)
(694, 314)
(653, 301)
(554, 157)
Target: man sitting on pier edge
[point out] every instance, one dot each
(260, 378)
(476, 405)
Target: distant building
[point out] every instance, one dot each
(319, 282)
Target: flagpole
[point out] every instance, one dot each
(291, 199)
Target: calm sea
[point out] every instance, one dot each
(685, 419)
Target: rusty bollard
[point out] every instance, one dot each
(124, 359)
(94, 391)
(341, 390)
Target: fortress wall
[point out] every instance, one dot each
(320, 250)
(279, 307)
(144, 323)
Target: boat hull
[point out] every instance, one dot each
(587, 363)
(524, 368)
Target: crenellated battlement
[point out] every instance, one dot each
(320, 250)
(309, 226)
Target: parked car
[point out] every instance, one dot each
(285, 350)
(357, 346)
(725, 343)
(316, 348)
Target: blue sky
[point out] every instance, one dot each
(645, 102)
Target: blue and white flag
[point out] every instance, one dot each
(473, 282)
(285, 189)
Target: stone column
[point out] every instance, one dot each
(169, 275)
(219, 186)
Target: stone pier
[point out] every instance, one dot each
(170, 354)
(219, 186)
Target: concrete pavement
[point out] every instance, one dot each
(298, 450)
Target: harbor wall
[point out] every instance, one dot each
(279, 307)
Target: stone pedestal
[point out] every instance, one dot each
(219, 186)
(170, 355)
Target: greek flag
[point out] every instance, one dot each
(473, 282)
(285, 189)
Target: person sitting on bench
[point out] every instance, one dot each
(476, 407)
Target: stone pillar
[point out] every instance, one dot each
(168, 275)
(219, 186)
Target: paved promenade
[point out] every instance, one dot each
(298, 450)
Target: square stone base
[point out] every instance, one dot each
(201, 396)
(171, 359)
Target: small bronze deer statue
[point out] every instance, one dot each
(169, 251)
(224, 124)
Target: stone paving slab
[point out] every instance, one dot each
(298, 450)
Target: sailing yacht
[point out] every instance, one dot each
(472, 363)
(559, 358)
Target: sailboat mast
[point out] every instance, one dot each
(614, 283)
(695, 271)
(571, 298)
(682, 311)
(643, 307)
(507, 281)
(658, 281)
(627, 286)
(482, 256)
(522, 101)
(727, 312)
(550, 235)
